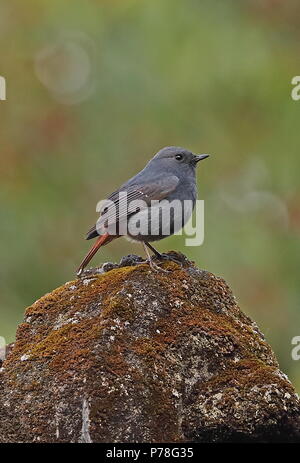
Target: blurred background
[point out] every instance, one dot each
(95, 88)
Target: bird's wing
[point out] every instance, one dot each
(115, 208)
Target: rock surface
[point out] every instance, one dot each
(128, 355)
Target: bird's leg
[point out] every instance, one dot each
(152, 264)
(158, 254)
(163, 256)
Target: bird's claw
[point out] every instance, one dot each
(155, 267)
(164, 256)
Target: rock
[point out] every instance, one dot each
(131, 259)
(130, 355)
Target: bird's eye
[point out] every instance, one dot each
(178, 157)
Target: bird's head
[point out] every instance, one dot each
(178, 159)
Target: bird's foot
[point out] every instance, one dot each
(154, 266)
(164, 256)
(79, 272)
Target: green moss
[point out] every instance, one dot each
(69, 346)
(244, 375)
(95, 334)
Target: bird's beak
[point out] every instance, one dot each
(200, 157)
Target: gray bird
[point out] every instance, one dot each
(140, 206)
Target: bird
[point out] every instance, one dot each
(169, 177)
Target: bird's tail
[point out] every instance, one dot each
(103, 239)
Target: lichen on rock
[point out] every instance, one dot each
(125, 354)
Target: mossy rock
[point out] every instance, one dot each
(130, 355)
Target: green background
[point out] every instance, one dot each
(95, 88)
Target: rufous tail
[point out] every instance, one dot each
(103, 239)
